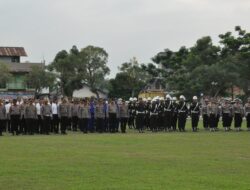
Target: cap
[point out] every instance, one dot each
(134, 99)
(195, 98)
(182, 97)
(168, 96)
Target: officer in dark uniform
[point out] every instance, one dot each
(195, 113)
(153, 115)
(140, 116)
(15, 113)
(238, 113)
(64, 112)
(212, 114)
(227, 113)
(204, 112)
(175, 113)
(168, 113)
(123, 115)
(161, 115)
(2, 117)
(113, 113)
(182, 114)
(100, 114)
(131, 116)
(247, 113)
(147, 116)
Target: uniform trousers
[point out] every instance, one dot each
(153, 122)
(212, 121)
(74, 123)
(140, 121)
(195, 120)
(23, 127)
(2, 126)
(205, 121)
(131, 120)
(100, 125)
(168, 119)
(46, 124)
(55, 123)
(237, 120)
(182, 117)
(226, 120)
(248, 120)
(30, 123)
(123, 124)
(83, 124)
(39, 124)
(174, 121)
(14, 119)
(112, 122)
(64, 124)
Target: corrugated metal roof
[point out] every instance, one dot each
(12, 51)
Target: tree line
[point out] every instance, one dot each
(204, 68)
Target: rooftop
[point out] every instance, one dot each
(12, 51)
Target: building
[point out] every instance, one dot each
(154, 88)
(86, 92)
(17, 85)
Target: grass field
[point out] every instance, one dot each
(133, 161)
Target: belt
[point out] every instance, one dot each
(140, 112)
(194, 112)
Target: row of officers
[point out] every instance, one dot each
(41, 116)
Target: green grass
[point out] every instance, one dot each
(133, 161)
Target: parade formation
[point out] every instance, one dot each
(30, 116)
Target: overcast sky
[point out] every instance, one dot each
(124, 28)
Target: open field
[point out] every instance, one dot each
(200, 160)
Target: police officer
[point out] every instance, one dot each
(23, 127)
(227, 113)
(131, 115)
(84, 115)
(100, 114)
(123, 115)
(7, 107)
(175, 113)
(147, 116)
(2, 117)
(30, 115)
(74, 115)
(168, 113)
(154, 115)
(238, 113)
(55, 118)
(204, 112)
(195, 113)
(247, 113)
(46, 112)
(212, 114)
(140, 116)
(161, 116)
(64, 112)
(182, 114)
(113, 112)
(15, 114)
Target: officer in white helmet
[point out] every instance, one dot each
(131, 113)
(182, 114)
(195, 113)
(168, 113)
(175, 106)
(147, 116)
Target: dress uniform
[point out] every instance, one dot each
(46, 112)
(182, 114)
(123, 109)
(140, 116)
(147, 116)
(7, 107)
(247, 113)
(175, 114)
(39, 121)
(168, 113)
(2, 117)
(154, 115)
(238, 113)
(195, 113)
(15, 113)
(131, 119)
(161, 115)
(112, 109)
(74, 115)
(64, 112)
(55, 118)
(227, 113)
(100, 115)
(204, 113)
(83, 115)
(30, 115)
(212, 114)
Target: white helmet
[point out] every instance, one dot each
(174, 98)
(168, 96)
(195, 98)
(182, 97)
(120, 99)
(134, 99)
(149, 99)
(161, 98)
(144, 99)
(130, 99)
